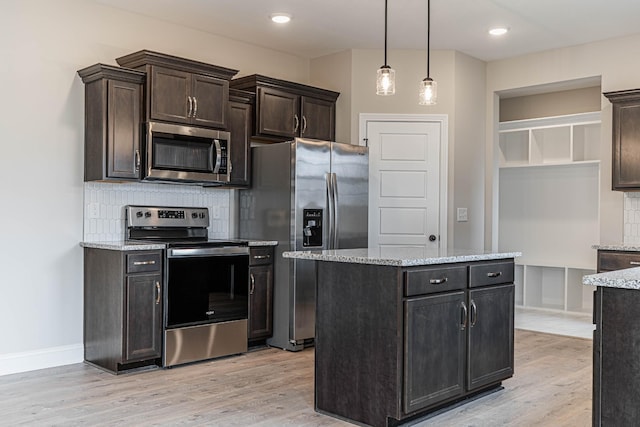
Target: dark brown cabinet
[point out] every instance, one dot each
(626, 139)
(184, 91)
(113, 117)
(284, 110)
(122, 308)
(393, 343)
(240, 130)
(260, 293)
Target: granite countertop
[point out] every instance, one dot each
(629, 278)
(622, 247)
(400, 256)
(123, 245)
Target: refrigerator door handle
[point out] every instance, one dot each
(336, 203)
(330, 210)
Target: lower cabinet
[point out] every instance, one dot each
(395, 343)
(122, 308)
(260, 293)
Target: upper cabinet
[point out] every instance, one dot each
(240, 129)
(626, 139)
(285, 110)
(181, 90)
(113, 114)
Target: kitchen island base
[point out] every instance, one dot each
(395, 343)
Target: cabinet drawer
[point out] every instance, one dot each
(432, 280)
(608, 261)
(260, 256)
(490, 273)
(144, 262)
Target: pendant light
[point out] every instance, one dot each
(428, 87)
(386, 77)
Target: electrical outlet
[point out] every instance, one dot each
(462, 215)
(94, 210)
(215, 212)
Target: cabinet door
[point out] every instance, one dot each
(318, 119)
(169, 92)
(240, 130)
(260, 301)
(123, 130)
(434, 349)
(278, 113)
(490, 347)
(143, 317)
(626, 149)
(210, 98)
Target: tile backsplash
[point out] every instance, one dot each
(104, 206)
(631, 218)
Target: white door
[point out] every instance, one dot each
(406, 190)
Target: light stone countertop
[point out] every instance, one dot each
(629, 278)
(628, 248)
(400, 256)
(123, 245)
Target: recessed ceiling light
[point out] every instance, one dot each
(280, 18)
(498, 31)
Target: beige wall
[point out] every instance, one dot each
(555, 103)
(616, 61)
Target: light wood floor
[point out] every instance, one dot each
(270, 387)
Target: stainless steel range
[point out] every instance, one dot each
(205, 283)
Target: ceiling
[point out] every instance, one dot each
(321, 27)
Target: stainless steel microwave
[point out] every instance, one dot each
(187, 154)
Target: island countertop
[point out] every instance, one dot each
(629, 278)
(616, 247)
(400, 256)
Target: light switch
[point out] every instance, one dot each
(462, 215)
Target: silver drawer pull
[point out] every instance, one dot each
(262, 257)
(634, 262)
(144, 262)
(438, 281)
(495, 274)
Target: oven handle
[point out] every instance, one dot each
(201, 252)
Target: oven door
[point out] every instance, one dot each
(206, 285)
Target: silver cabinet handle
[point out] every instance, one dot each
(137, 157)
(438, 281)
(262, 256)
(495, 274)
(157, 293)
(195, 106)
(634, 262)
(297, 123)
(253, 284)
(463, 324)
(144, 263)
(304, 124)
(474, 313)
(190, 102)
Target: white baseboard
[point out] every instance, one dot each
(14, 363)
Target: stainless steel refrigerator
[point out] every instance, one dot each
(307, 195)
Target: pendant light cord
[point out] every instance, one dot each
(385, 33)
(428, 33)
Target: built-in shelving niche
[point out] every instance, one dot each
(549, 174)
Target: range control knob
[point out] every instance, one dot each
(194, 215)
(147, 214)
(202, 215)
(139, 214)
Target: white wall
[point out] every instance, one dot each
(43, 44)
(616, 61)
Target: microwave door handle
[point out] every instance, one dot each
(218, 155)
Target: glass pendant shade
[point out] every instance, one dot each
(428, 92)
(386, 81)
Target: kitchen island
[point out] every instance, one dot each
(616, 340)
(403, 332)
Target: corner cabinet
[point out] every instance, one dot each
(183, 91)
(122, 308)
(260, 293)
(285, 110)
(626, 139)
(113, 118)
(393, 344)
(240, 129)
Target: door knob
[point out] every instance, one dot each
(432, 238)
